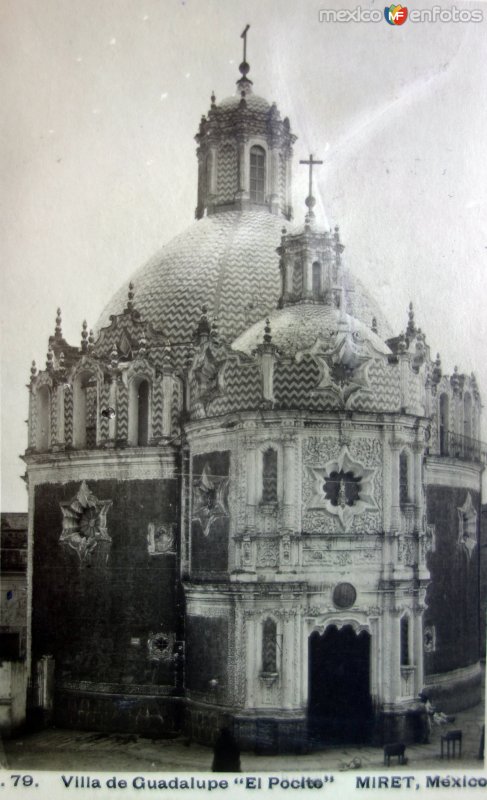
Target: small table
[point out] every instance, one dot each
(451, 738)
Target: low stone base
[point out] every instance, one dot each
(270, 734)
(147, 715)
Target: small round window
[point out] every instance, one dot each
(344, 595)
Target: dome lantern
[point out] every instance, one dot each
(244, 153)
(311, 269)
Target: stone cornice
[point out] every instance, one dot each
(131, 463)
(452, 472)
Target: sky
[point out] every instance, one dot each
(101, 101)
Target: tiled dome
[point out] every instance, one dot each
(227, 261)
(296, 328)
(254, 103)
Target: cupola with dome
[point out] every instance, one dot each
(250, 504)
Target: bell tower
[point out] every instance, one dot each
(244, 153)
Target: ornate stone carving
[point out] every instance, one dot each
(467, 526)
(160, 647)
(340, 558)
(208, 372)
(355, 491)
(84, 523)
(160, 539)
(406, 551)
(343, 357)
(246, 552)
(429, 639)
(210, 501)
(286, 550)
(428, 541)
(317, 449)
(267, 553)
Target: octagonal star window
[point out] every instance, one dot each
(342, 488)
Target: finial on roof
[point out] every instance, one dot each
(167, 356)
(310, 200)
(203, 329)
(91, 340)
(374, 324)
(62, 362)
(267, 332)
(274, 111)
(213, 99)
(401, 344)
(142, 346)
(411, 328)
(189, 358)
(84, 336)
(455, 381)
(214, 329)
(130, 297)
(49, 358)
(33, 370)
(114, 358)
(436, 373)
(57, 331)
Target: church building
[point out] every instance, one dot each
(251, 502)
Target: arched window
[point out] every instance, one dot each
(85, 410)
(143, 413)
(269, 646)
(317, 288)
(139, 412)
(444, 426)
(404, 633)
(269, 476)
(257, 174)
(403, 479)
(43, 401)
(467, 417)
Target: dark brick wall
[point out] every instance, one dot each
(207, 656)
(453, 594)
(210, 518)
(86, 616)
(483, 581)
(153, 717)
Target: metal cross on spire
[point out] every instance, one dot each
(244, 83)
(243, 36)
(310, 201)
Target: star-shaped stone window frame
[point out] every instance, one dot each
(84, 523)
(348, 505)
(467, 526)
(210, 502)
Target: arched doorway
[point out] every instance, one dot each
(340, 706)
